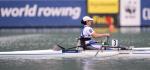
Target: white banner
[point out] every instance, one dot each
(130, 13)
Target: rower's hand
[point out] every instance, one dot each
(107, 34)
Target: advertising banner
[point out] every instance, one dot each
(104, 12)
(130, 13)
(41, 13)
(145, 12)
(102, 6)
(104, 19)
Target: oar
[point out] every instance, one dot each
(63, 48)
(98, 51)
(58, 45)
(107, 40)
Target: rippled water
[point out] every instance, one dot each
(35, 39)
(76, 64)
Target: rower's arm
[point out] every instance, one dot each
(94, 34)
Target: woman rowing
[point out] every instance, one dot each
(88, 33)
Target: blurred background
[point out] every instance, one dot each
(40, 24)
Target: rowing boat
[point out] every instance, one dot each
(116, 50)
(138, 52)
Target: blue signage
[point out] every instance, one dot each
(145, 12)
(41, 13)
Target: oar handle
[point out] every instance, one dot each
(106, 41)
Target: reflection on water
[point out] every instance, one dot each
(76, 64)
(133, 64)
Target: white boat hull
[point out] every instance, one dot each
(48, 54)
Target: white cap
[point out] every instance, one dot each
(85, 18)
